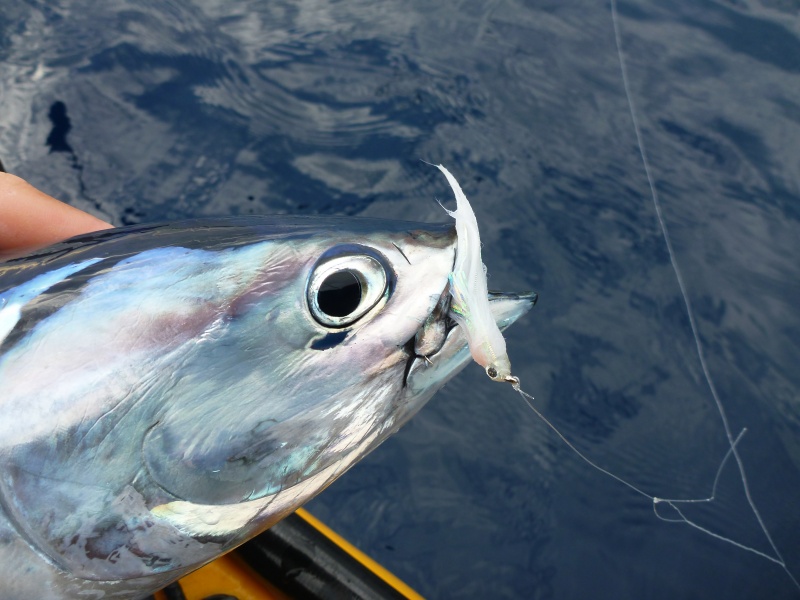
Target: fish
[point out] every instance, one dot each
(169, 391)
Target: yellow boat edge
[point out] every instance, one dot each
(230, 575)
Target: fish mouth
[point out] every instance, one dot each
(439, 348)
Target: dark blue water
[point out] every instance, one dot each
(149, 111)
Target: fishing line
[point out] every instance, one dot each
(671, 502)
(776, 557)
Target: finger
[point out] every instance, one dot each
(30, 218)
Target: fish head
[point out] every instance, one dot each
(310, 374)
(171, 391)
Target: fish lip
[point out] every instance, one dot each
(518, 303)
(532, 297)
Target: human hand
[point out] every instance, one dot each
(31, 219)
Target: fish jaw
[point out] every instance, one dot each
(454, 353)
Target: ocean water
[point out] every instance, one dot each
(148, 111)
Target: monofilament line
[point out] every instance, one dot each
(778, 558)
(671, 502)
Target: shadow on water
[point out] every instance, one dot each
(57, 138)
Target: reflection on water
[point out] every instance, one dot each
(153, 111)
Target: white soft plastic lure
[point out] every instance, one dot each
(470, 304)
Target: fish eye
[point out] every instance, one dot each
(343, 289)
(340, 294)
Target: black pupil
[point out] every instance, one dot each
(339, 294)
